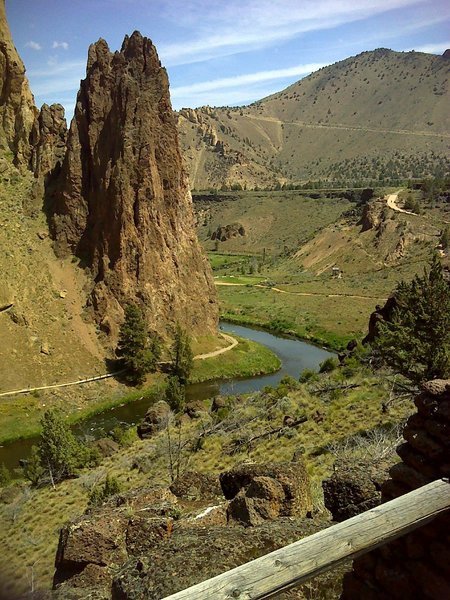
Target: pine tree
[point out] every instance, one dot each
(139, 352)
(182, 355)
(416, 340)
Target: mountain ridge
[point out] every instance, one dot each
(383, 99)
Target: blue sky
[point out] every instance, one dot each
(218, 52)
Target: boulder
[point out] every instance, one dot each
(226, 232)
(193, 485)
(153, 420)
(105, 446)
(354, 487)
(266, 491)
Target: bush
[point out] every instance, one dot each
(307, 375)
(99, 494)
(139, 351)
(328, 365)
(175, 395)
(182, 355)
(415, 342)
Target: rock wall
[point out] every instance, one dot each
(416, 566)
(17, 110)
(122, 202)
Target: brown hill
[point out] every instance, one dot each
(374, 113)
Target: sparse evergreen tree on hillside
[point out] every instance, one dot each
(139, 351)
(182, 355)
(175, 395)
(416, 340)
(58, 450)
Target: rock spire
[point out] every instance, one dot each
(122, 203)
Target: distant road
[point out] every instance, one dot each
(280, 291)
(349, 127)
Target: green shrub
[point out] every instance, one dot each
(328, 365)
(100, 493)
(308, 375)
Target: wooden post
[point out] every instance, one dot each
(287, 567)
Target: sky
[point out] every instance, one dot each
(218, 52)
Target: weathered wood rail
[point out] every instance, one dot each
(292, 565)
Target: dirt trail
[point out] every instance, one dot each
(233, 343)
(232, 340)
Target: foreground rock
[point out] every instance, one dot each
(122, 203)
(266, 491)
(149, 543)
(354, 487)
(154, 420)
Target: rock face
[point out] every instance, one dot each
(49, 140)
(122, 203)
(17, 110)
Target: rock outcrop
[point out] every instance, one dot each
(415, 565)
(147, 544)
(122, 203)
(226, 232)
(17, 109)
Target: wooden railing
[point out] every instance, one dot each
(292, 565)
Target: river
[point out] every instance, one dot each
(295, 356)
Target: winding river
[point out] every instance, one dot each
(295, 356)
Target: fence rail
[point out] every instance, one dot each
(292, 565)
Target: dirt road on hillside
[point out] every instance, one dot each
(391, 201)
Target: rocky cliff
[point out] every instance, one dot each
(17, 110)
(122, 203)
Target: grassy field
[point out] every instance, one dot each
(245, 360)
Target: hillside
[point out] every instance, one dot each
(377, 115)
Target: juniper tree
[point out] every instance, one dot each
(59, 452)
(182, 355)
(415, 341)
(139, 351)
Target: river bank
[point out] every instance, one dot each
(258, 354)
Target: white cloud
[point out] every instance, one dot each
(63, 45)
(33, 45)
(245, 80)
(432, 48)
(239, 27)
(241, 89)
